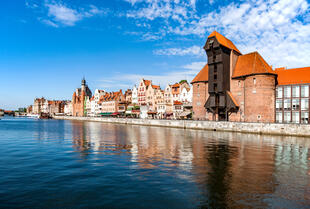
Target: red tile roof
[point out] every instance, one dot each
(147, 82)
(155, 87)
(224, 41)
(202, 76)
(177, 103)
(110, 96)
(293, 76)
(176, 85)
(251, 64)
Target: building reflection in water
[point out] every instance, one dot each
(50, 130)
(231, 170)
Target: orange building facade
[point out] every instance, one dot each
(252, 91)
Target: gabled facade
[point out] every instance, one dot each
(142, 88)
(134, 95)
(79, 99)
(150, 96)
(186, 95)
(128, 96)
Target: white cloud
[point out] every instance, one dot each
(60, 14)
(278, 29)
(194, 50)
(176, 10)
(50, 23)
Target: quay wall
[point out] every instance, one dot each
(255, 128)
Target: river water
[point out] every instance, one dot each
(72, 164)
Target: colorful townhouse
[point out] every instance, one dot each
(112, 103)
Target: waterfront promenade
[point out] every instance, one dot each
(255, 128)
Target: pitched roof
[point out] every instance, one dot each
(293, 76)
(224, 41)
(155, 87)
(202, 76)
(177, 103)
(110, 96)
(232, 98)
(146, 82)
(176, 85)
(251, 64)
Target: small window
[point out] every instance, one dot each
(295, 117)
(279, 104)
(295, 91)
(287, 104)
(295, 104)
(279, 117)
(254, 81)
(215, 86)
(279, 92)
(215, 77)
(304, 104)
(304, 117)
(287, 92)
(304, 91)
(287, 117)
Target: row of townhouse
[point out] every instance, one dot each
(145, 101)
(51, 107)
(162, 103)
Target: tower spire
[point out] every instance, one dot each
(83, 81)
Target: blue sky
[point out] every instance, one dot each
(47, 46)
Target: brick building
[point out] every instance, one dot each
(128, 96)
(51, 107)
(112, 103)
(233, 86)
(79, 99)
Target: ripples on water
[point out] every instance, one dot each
(70, 164)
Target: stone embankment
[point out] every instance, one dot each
(256, 128)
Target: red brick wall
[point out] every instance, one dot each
(78, 105)
(237, 90)
(260, 98)
(200, 96)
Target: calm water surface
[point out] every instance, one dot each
(70, 164)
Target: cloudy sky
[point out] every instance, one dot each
(47, 46)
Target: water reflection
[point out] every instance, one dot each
(231, 170)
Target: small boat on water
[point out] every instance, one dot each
(32, 116)
(44, 116)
